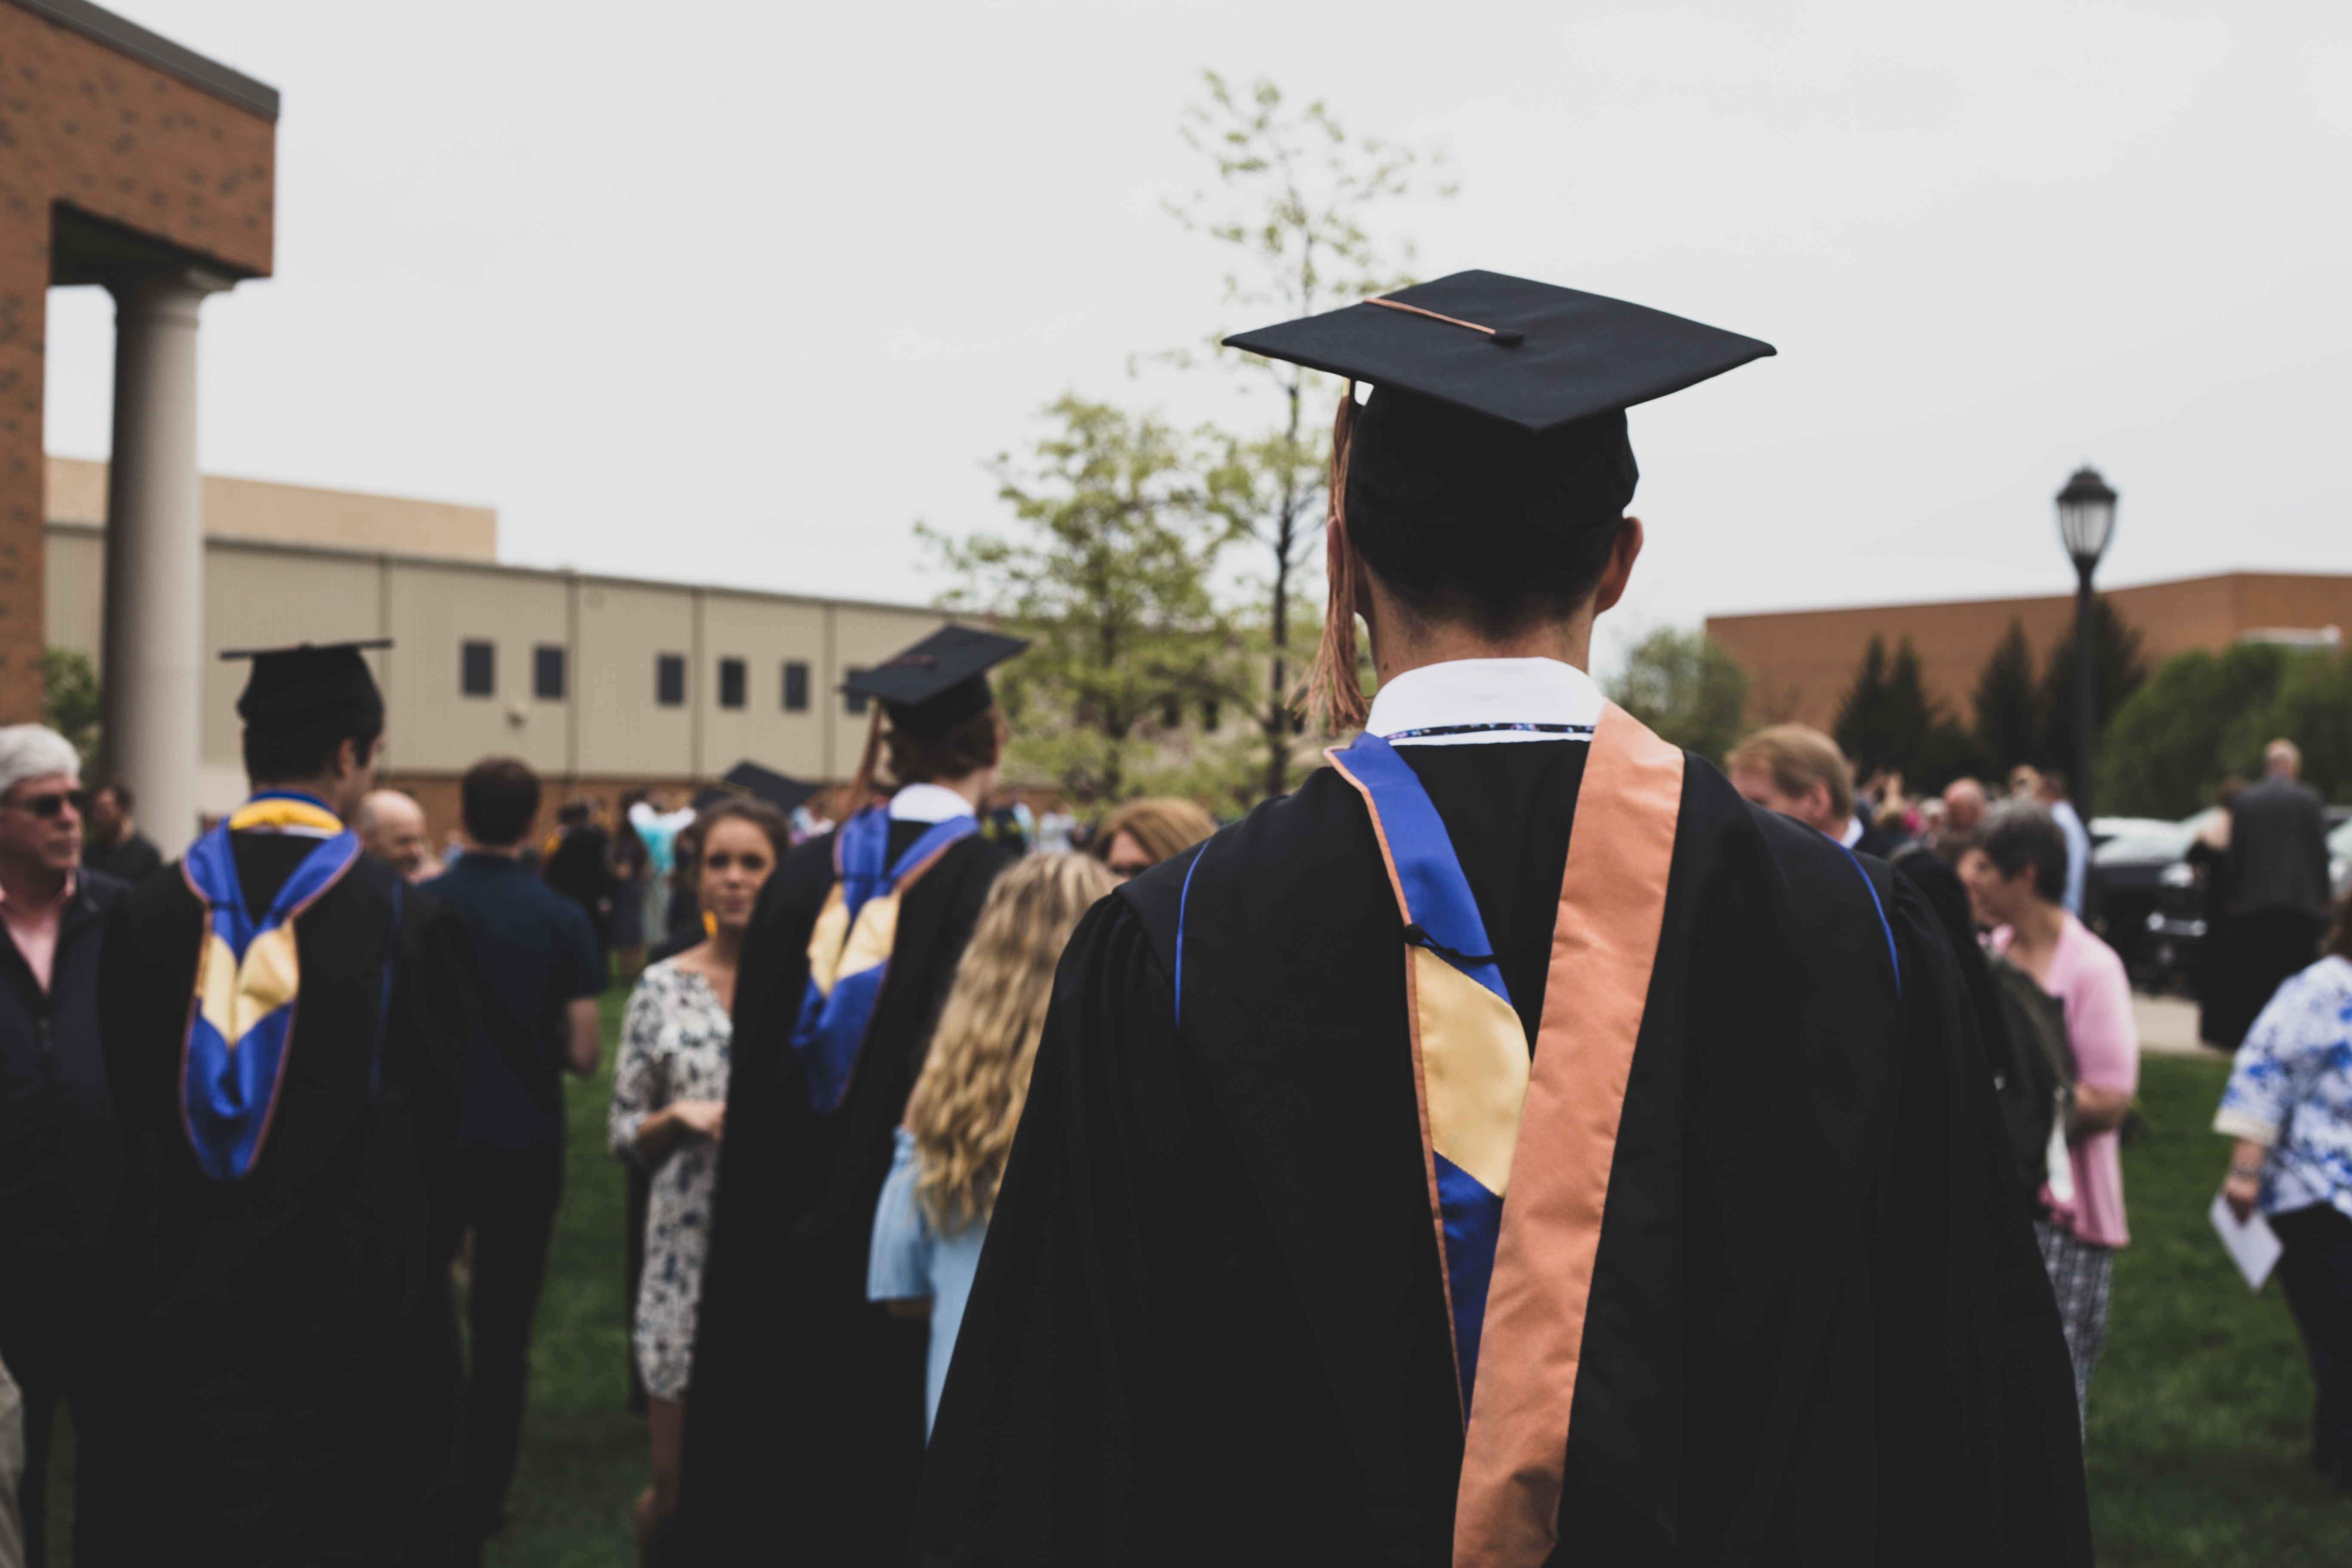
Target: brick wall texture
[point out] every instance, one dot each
(84, 127)
(1801, 664)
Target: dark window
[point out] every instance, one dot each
(731, 681)
(1172, 713)
(669, 679)
(1212, 714)
(853, 702)
(477, 674)
(547, 672)
(795, 687)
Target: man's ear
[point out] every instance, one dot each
(1619, 569)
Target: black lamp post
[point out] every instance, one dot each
(2086, 523)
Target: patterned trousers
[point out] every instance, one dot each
(2080, 1272)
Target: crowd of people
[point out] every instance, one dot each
(1161, 1199)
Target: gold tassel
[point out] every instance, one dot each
(1334, 697)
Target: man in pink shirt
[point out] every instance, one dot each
(2016, 876)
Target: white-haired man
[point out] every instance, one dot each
(2274, 894)
(60, 1158)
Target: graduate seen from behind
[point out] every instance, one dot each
(804, 1418)
(933, 1215)
(283, 1025)
(1514, 1147)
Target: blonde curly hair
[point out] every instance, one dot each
(968, 1099)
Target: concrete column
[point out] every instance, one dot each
(153, 673)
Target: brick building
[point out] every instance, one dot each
(131, 164)
(1800, 663)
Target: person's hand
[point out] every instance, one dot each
(2242, 1192)
(702, 1117)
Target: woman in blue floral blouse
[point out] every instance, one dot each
(2289, 1106)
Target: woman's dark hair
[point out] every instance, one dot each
(758, 813)
(965, 749)
(283, 755)
(2020, 833)
(1462, 517)
(2339, 933)
(498, 799)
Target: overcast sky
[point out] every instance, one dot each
(736, 292)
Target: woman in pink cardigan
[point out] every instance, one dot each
(2016, 875)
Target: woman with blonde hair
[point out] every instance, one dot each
(934, 1209)
(1139, 834)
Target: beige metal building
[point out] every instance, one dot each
(600, 683)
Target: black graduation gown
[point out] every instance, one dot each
(1210, 1325)
(295, 1375)
(805, 1420)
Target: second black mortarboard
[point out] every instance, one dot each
(307, 685)
(749, 781)
(942, 680)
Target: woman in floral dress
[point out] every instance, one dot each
(669, 1111)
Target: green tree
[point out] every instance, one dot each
(2313, 707)
(1108, 573)
(2008, 708)
(1687, 687)
(69, 698)
(1295, 195)
(2171, 743)
(2119, 667)
(1861, 715)
(1888, 720)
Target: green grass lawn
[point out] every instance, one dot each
(2199, 1413)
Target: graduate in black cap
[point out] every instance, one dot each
(1513, 1148)
(283, 1031)
(805, 1420)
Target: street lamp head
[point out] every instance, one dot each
(2086, 516)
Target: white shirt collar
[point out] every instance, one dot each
(1486, 692)
(1852, 834)
(927, 802)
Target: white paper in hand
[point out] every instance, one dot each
(2253, 1247)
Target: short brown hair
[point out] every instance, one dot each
(966, 748)
(498, 799)
(2339, 934)
(1798, 756)
(1163, 825)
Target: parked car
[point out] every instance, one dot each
(2151, 895)
(2147, 897)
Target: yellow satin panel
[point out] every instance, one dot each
(233, 997)
(284, 814)
(870, 939)
(1474, 1061)
(837, 947)
(827, 938)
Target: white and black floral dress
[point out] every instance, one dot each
(674, 1047)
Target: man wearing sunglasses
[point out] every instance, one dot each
(61, 1148)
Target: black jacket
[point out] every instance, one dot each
(60, 1148)
(2278, 849)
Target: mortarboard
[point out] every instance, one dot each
(1497, 410)
(1526, 354)
(293, 688)
(749, 781)
(942, 680)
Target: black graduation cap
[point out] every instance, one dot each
(749, 781)
(292, 689)
(1528, 354)
(942, 680)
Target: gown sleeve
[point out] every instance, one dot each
(1042, 1448)
(1978, 1404)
